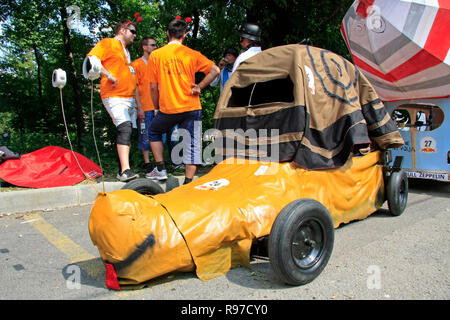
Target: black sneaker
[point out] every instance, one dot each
(127, 175)
(148, 167)
(176, 168)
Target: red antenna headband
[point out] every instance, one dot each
(187, 19)
(136, 16)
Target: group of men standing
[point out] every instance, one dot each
(159, 88)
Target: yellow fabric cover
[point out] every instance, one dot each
(210, 223)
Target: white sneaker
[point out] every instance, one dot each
(157, 175)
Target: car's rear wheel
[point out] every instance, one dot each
(144, 186)
(301, 241)
(397, 192)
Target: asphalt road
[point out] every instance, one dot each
(49, 255)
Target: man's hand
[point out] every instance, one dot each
(113, 79)
(140, 113)
(196, 90)
(223, 63)
(212, 74)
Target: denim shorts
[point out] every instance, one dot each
(144, 131)
(190, 130)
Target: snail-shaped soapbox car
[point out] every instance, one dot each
(301, 143)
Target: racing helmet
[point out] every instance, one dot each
(250, 31)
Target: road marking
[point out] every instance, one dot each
(92, 265)
(76, 254)
(63, 243)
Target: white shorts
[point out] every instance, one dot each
(121, 110)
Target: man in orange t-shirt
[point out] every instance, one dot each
(177, 97)
(117, 89)
(143, 98)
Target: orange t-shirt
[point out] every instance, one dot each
(142, 70)
(173, 68)
(112, 55)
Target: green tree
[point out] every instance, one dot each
(36, 39)
(286, 22)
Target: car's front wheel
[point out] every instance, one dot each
(397, 192)
(301, 241)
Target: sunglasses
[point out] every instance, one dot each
(132, 31)
(152, 45)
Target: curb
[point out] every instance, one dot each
(49, 199)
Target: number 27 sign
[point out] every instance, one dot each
(427, 145)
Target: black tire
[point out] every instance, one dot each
(397, 192)
(144, 186)
(172, 183)
(301, 241)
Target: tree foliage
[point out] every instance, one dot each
(36, 39)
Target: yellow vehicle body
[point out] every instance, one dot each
(209, 224)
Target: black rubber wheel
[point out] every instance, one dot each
(397, 192)
(172, 183)
(144, 186)
(301, 241)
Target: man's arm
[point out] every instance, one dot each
(103, 70)
(107, 74)
(212, 74)
(99, 52)
(140, 111)
(215, 81)
(154, 92)
(223, 62)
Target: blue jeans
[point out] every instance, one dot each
(143, 134)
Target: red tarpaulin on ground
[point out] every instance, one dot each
(48, 167)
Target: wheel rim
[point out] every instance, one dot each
(308, 243)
